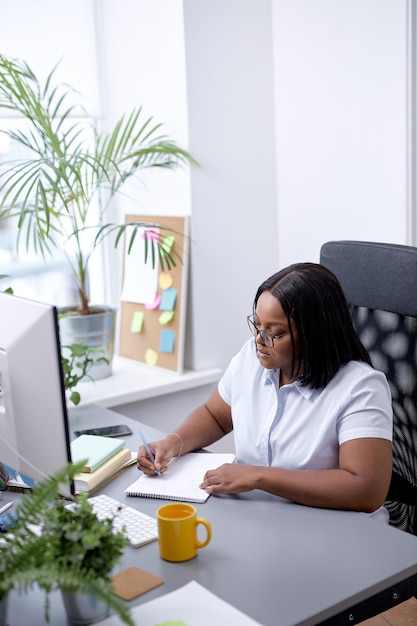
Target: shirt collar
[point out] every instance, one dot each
(271, 376)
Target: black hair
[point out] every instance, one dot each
(312, 297)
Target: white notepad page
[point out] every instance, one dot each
(192, 605)
(182, 479)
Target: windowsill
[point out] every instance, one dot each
(132, 381)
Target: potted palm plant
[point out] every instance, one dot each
(60, 190)
(74, 552)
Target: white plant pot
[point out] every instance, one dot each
(97, 330)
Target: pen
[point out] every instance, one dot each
(148, 450)
(5, 507)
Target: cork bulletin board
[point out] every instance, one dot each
(153, 301)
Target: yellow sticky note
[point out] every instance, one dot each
(165, 280)
(151, 356)
(137, 322)
(166, 317)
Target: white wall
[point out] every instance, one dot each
(341, 133)
(46, 32)
(143, 64)
(231, 120)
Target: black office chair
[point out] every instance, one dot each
(380, 284)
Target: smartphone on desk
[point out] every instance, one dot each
(118, 430)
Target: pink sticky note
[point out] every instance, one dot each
(150, 234)
(155, 304)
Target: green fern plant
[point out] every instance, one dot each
(74, 552)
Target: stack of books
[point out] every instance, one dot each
(18, 482)
(105, 456)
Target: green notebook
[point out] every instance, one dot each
(94, 448)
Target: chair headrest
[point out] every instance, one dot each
(375, 275)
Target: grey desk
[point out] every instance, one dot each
(281, 563)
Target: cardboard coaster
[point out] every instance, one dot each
(133, 582)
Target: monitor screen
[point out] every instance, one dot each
(34, 434)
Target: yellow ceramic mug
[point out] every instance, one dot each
(177, 531)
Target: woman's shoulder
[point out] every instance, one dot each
(359, 368)
(359, 371)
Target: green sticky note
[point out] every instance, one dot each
(166, 317)
(167, 341)
(137, 322)
(168, 243)
(172, 623)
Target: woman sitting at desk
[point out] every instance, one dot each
(312, 419)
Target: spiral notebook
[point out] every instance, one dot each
(182, 479)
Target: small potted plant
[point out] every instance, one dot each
(77, 361)
(80, 553)
(74, 552)
(55, 188)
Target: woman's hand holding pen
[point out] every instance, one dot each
(163, 451)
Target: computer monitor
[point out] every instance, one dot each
(34, 433)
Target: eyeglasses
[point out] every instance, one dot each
(267, 338)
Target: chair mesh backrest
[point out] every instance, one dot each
(380, 284)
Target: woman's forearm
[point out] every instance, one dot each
(199, 429)
(360, 483)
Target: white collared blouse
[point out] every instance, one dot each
(295, 426)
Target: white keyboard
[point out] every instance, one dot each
(139, 527)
